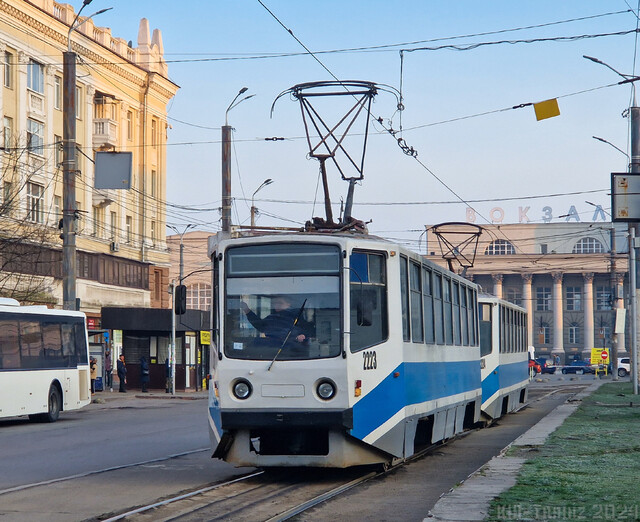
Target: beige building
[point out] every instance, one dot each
(196, 267)
(565, 274)
(121, 98)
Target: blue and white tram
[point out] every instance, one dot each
(504, 356)
(381, 359)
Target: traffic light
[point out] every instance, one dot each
(181, 300)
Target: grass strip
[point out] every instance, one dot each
(589, 468)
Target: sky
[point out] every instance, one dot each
(471, 145)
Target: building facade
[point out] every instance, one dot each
(570, 277)
(122, 94)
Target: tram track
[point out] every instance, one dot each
(283, 494)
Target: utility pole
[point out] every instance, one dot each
(633, 233)
(69, 179)
(226, 162)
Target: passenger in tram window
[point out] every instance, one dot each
(284, 318)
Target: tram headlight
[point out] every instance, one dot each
(326, 390)
(242, 389)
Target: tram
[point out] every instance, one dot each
(335, 350)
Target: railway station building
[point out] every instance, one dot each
(570, 277)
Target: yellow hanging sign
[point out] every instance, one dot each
(546, 109)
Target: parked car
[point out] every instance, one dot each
(624, 366)
(534, 367)
(544, 367)
(578, 367)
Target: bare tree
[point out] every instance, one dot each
(30, 251)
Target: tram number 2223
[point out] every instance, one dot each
(370, 362)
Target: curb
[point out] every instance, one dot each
(470, 501)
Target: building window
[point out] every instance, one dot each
(8, 69)
(129, 226)
(500, 247)
(57, 143)
(199, 296)
(588, 245)
(113, 226)
(7, 197)
(35, 76)
(574, 333)
(154, 133)
(153, 232)
(7, 133)
(543, 298)
(574, 298)
(603, 298)
(57, 208)
(35, 136)
(35, 205)
(79, 159)
(154, 183)
(514, 295)
(78, 103)
(57, 93)
(129, 125)
(97, 221)
(544, 333)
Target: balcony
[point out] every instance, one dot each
(105, 132)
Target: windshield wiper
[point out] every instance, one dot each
(295, 322)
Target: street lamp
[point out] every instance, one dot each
(69, 166)
(226, 161)
(253, 208)
(612, 145)
(172, 355)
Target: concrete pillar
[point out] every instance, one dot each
(589, 340)
(497, 285)
(558, 325)
(527, 299)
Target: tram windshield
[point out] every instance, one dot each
(282, 297)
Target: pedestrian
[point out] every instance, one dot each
(144, 373)
(108, 368)
(122, 374)
(93, 367)
(167, 373)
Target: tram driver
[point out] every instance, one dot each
(282, 322)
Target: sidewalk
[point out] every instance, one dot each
(470, 501)
(115, 399)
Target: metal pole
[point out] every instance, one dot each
(172, 355)
(69, 182)
(634, 307)
(614, 305)
(226, 178)
(635, 167)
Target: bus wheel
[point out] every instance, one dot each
(54, 405)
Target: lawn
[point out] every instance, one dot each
(589, 468)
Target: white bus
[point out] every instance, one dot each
(44, 361)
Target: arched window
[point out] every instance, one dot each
(199, 296)
(500, 247)
(588, 245)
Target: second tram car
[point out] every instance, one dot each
(504, 356)
(338, 350)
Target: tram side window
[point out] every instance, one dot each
(427, 300)
(448, 323)
(368, 295)
(9, 345)
(404, 295)
(472, 316)
(455, 299)
(437, 306)
(416, 303)
(486, 336)
(464, 317)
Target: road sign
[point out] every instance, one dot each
(604, 355)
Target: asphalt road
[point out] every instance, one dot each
(130, 452)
